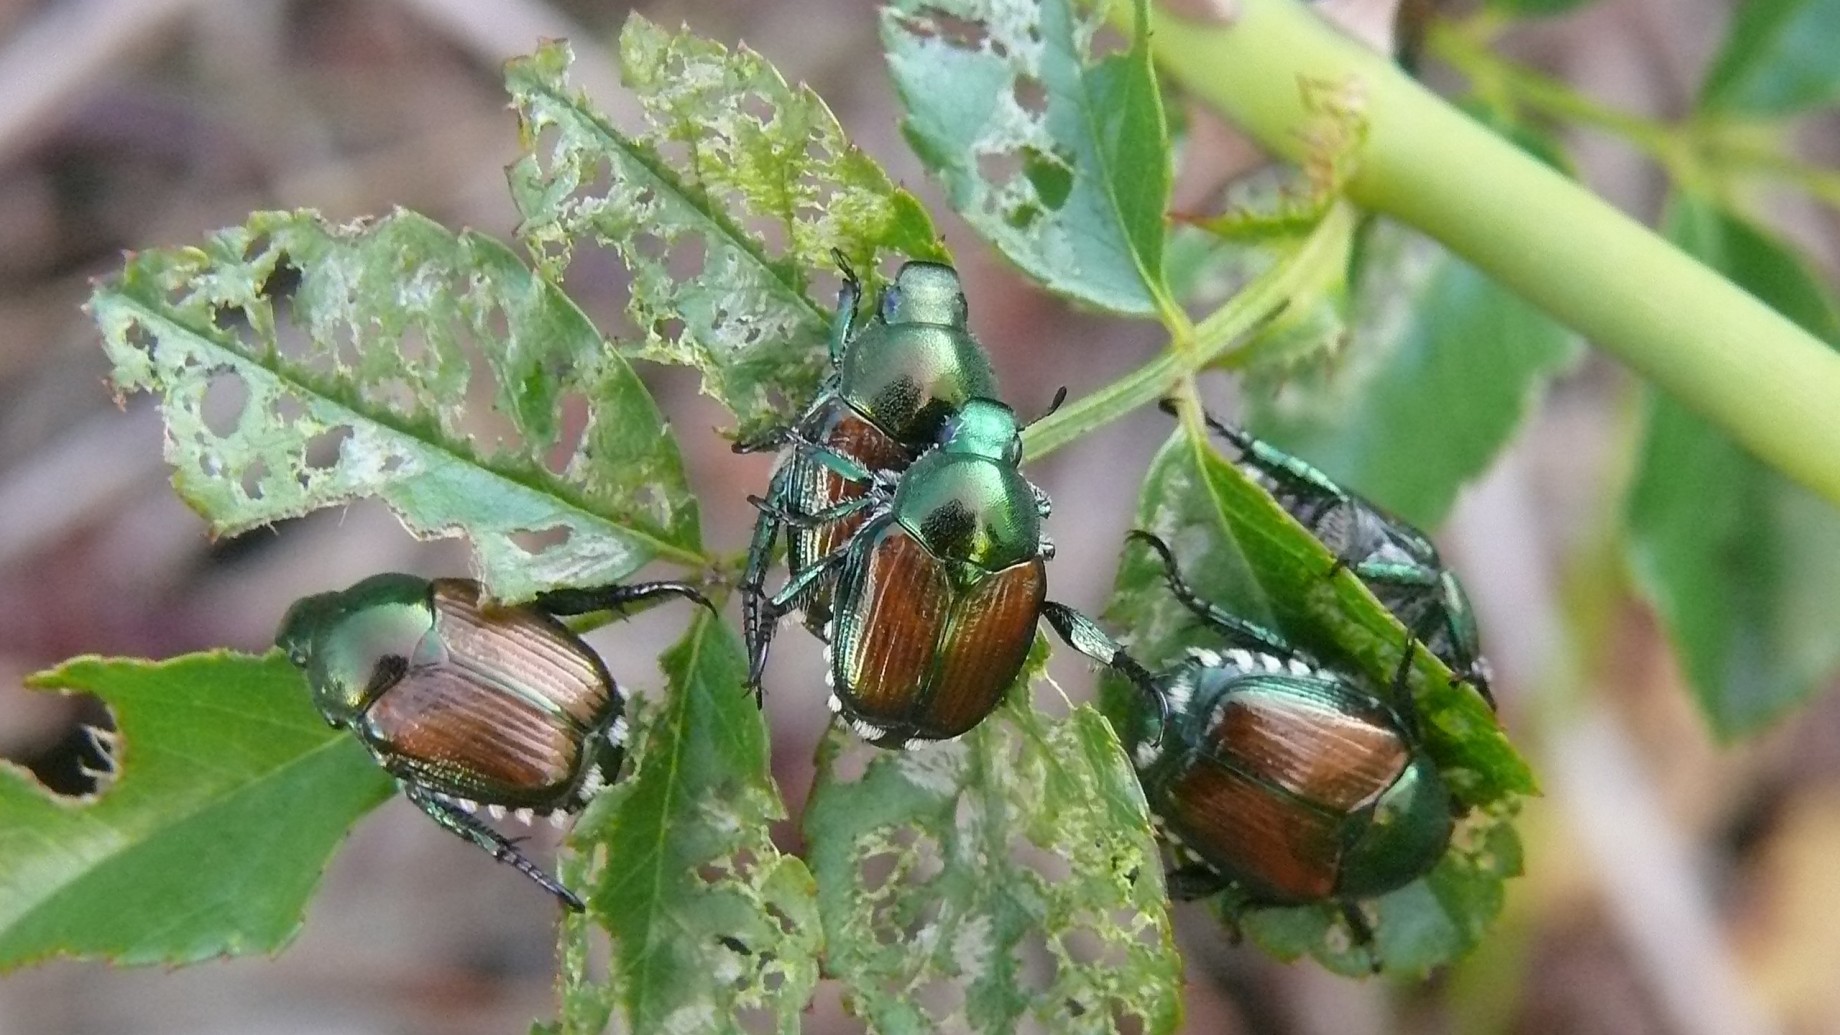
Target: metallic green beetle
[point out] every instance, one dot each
(1284, 779)
(894, 382)
(938, 591)
(1397, 561)
(467, 703)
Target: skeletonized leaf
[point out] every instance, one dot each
(1055, 152)
(1000, 882)
(304, 366)
(1742, 564)
(1240, 550)
(721, 205)
(231, 793)
(711, 924)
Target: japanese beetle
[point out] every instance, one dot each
(467, 703)
(938, 590)
(894, 381)
(1283, 779)
(1398, 562)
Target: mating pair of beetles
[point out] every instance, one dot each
(915, 551)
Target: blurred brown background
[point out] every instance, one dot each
(1673, 886)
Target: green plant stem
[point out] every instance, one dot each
(1682, 149)
(1189, 350)
(1719, 351)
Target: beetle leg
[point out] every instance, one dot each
(1362, 932)
(844, 320)
(615, 597)
(1043, 505)
(781, 602)
(500, 847)
(817, 517)
(843, 466)
(757, 620)
(1231, 624)
(1084, 635)
(1193, 881)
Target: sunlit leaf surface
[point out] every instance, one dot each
(228, 794)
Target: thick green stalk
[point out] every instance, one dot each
(1727, 356)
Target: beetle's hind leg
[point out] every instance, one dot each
(501, 848)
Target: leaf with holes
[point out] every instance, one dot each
(230, 795)
(1242, 551)
(1000, 882)
(712, 926)
(380, 360)
(1057, 154)
(721, 204)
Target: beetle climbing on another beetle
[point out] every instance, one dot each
(1282, 778)
(894, 382)
(936, 594)
(469, 704)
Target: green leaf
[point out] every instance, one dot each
(1240, 549)
(1443, 367)
(1004, 881)
(303, 366)
(728, 155)
(1742, 564)
(1054, 153)
(229, 795)
(1778, 60)
(711, 924)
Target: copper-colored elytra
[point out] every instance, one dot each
(885, 651)
(1338, 760)
(852, 436)
(438, 715)
(992, 629)
(1283, 852)
(515, 647)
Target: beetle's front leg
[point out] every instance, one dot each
(1085, 636)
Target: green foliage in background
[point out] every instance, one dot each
(1010, 877)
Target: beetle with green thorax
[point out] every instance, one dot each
(470, 704)
(895, 380)
(937, 592)
(1399, 563)
(1281, 779)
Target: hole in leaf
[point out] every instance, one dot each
(1036, 966)
(542, 540)
(225, 396)
(999, 167)
(1031, 94)
(756, 1019)
(941, 998)
(1054, 867)
(756, 107)
(571, 425)
(251, 481)
(950, 29)
(78, 756)
(323, 451)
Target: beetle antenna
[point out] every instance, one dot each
(1060, 396)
